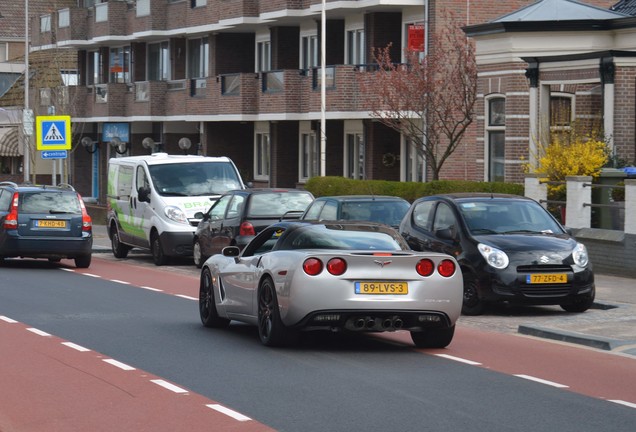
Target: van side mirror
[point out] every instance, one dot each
(200, 215)
(144, 194)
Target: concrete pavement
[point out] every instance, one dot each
(609, 325)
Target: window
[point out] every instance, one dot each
(263, 56)
(45, 23)
(159, 61)
(413, 161)
(70, 77)
(198, 58)
(45, 96)
(309, 156)
(354, 156)
(198, 3)
(94, 68)
(561, 111)
(355, 47)
(64, 18)
(496, 138)
(119, 65)
(261, 156)
(309, 52)
(143, 8)
(4, 51)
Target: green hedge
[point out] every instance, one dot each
(324, 186)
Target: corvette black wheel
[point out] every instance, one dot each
(271, 329)
(207, 306)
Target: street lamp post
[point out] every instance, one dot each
(27, 133)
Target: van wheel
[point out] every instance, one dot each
(120, 250)
(157, 250)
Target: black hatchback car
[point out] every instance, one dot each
(44, 222)
(236, 218)
(509, 248)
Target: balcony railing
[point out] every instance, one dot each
(142, 93)
(101, 93)
(231, 84)
(273, 81)
(330, 77)
(198, 87)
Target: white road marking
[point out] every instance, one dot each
(621, 402)
(187, 297)
(542, 381)
(92, 275)
(120, 281)
(151, 288)
(235, 415)
(75, 346)
(7, 319)
(118, 364)
(38, 332)
(450, 357)
(169, 386)
(68, 270)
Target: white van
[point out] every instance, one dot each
(152, 200)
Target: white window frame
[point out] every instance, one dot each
(142, 8)
(262, 151)
(355, 42)
(412, 162)
(164, 66)
(45, 23)
(572, 98)
(4, 51)
(308, 152)
(488, 129)
(309, 50)
(203, 66)
(354, 150)
(94, 67)
(414, 16)
(125, 55)
(263, 53)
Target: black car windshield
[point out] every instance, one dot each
(507, 216)
(276, 204)
(195, 178)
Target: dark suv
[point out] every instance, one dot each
(44, 222)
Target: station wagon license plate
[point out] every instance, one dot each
(376, 287)
(50, 224)
(547, 278)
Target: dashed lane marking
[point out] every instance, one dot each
(542, 381)
(235, 415)
(120, 365)
(621, 402)
(167, 385)
(187, 297)
(151, 288)
(38, 332)
(7, 319)
(120, 281)
(459, 359)
(75, 346)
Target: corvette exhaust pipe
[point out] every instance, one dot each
(359, 323)
(369, 323)
(387, 323)
(397, 322)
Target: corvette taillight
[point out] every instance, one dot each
(247, 229)
(336, 266)
(312, 266)
(425, 267)
(87, 222)
(446, 268)
(11, 220)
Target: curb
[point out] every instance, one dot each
(598, 342)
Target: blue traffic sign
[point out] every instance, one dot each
(54, 133)
(54, 154)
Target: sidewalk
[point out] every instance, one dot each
(609, 325)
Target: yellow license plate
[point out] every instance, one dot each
(547, 278)
(50, 224)
(374, 287)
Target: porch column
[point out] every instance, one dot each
(630, 206)
(535, 189)
(577, 214)
(607, 69)
(532, 73)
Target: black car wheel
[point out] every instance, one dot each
(581, 304)
(157, 250)
(207, 306)
(271, 329)
(83, 261)
(472, 303)
(120, 250)
(197, 256)
(433, 338)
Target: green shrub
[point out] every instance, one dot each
(331, 185)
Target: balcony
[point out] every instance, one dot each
(229, 9)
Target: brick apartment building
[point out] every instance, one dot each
(241, 78)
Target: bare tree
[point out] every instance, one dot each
(428, 100)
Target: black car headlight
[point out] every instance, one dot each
(494, 257)
(580, 256)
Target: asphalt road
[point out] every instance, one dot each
(148, 319)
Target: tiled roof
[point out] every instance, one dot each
(559, 10)
(625, 6)
(12, 21)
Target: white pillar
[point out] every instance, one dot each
(534, 126)
(608, 114)
(578, 215)
(533, 188)
(630, 206)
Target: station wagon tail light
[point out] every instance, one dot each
(87, 222)
(247, 229)
(312, 266)
(425, 267)
(11, 220)
(336, 266)
(446, 268)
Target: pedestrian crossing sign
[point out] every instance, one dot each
(53, 132)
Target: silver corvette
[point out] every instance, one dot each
(352, 276)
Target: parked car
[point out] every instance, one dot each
(388, 210)
(239, 215)
(347, 276)
(509, 248)
(44, 222)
